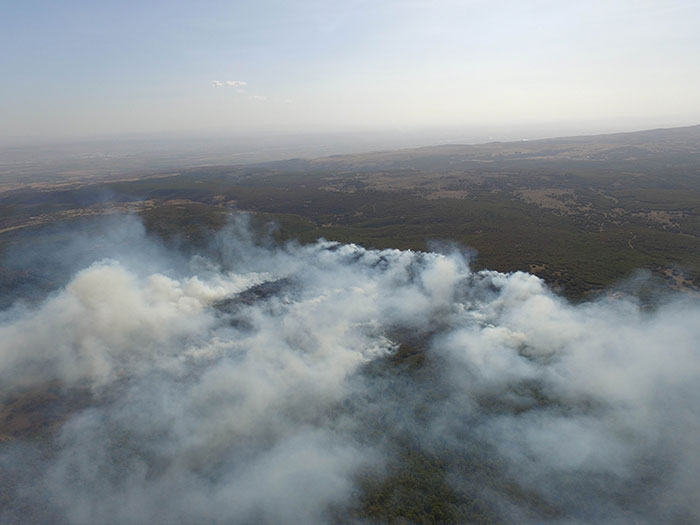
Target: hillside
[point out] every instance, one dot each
(582, 212)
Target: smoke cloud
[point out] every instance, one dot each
(332, 383)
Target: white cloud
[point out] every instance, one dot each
(229, 83)
(258, 98)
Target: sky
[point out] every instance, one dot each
(73, 69)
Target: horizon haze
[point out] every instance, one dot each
(77, 69)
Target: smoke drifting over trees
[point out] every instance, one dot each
(306, 384)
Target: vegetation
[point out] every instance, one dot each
(582, 213)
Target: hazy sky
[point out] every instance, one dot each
(80, 68)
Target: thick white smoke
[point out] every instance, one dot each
(268, 384)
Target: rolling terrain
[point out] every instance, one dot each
(160, 345)
(581, 212)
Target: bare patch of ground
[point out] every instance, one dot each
(677, 280)
(447, 194)
(556, 199)
(537, 268)
(667, 219)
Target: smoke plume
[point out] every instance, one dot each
(332, 383)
